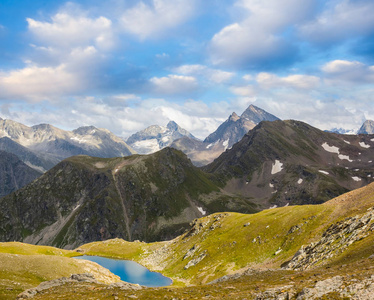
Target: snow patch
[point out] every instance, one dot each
(203, 212)
(355, 178)
(276, 167)
(323, 172)
(274, 206)
(347, 142)
(363, 145)
(370, 161)
(342, 157)
(369, 175)
(226, 143)
(300, 181)
(331, 149)
(271, 185)
(372, 140)
(79, 140)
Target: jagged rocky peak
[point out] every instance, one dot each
(84, 130)
(256, 114)
(234, 117)
(367, 127)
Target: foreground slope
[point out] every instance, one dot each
(291, 162)
(86, 199)
(341, 232)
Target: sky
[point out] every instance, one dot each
(125, 64)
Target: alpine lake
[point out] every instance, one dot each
(130, 271)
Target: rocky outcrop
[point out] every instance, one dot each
(335, 240)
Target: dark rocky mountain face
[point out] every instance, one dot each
(32, 159)
(367, 127)
(290, 162)
(14, 174)
(227, 134)
(86, 199)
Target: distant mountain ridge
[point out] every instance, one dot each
(227, 134)
(155, 137)
(50, 144)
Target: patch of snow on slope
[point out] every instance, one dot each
(323, 172)
(342, 157)
(146, 146)
(347, 142)
(74, 138)
(363, 145)
(372, 140)
(331, 149)
(226, 143)
(355, 178)
(276, 167)
(203, 212)
(300, 181)
(271, 185)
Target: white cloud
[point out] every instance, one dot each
(38, 83)
(341, 72)
(174, 84)
(214, 75)
(150, 20)
(298, 81)
(259, 36)
(341, 19)
(70, 31)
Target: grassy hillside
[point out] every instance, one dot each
(256, 246)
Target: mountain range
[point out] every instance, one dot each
(154, 197)
(43, 146)
(226, 135)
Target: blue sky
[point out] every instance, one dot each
(126, 64)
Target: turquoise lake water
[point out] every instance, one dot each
(130, 271)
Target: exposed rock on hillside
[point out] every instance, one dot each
(334, 241)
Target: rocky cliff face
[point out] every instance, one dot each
(290, 162)
(14, 174)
